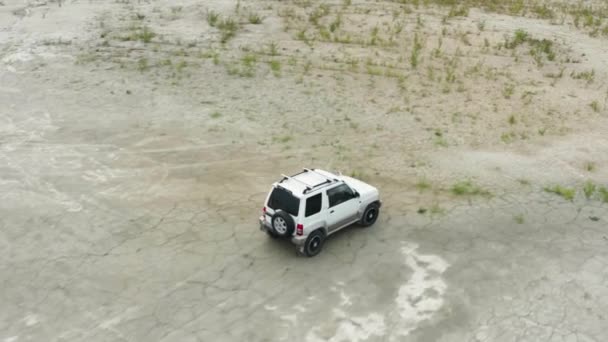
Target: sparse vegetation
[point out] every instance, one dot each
(358, 174)
(588, 76)
(215, 115)
(254, 18)
(228, 28)
(508, 91)
(508, 137)
(539, 48)
(458, 11)
(441, 142)
(273, 49)
(212, 18)
(467, 188)
(143, 34)
(142, 64)
(415, 57)
(436, 209)
(423, 185)
(519, 38)
(275, 66)
(589, 189)
(318, 13)
(603, 192)
(595, 106)
(566, 193)
(283, 139)
(519, 218)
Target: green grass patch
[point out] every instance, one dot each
(275, 66)
(603, 192)
(508, 138)
(458, 11)
(228, 28)
(249, 60)
(212, 18)
(588, 76)
(589, 189)
(595, 106)
(142, 65)
(283, 139)
(519, 38)
(423, 185)
(539, 48)
(415, 56)
(467, 188)
(254, 18)
(273, 49)
(441, 142)
(566, 193)
(358, 174)
(508, 91)
(435, 209)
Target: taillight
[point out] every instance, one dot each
(264, 210)
(300, 229)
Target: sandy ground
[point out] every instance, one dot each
(133, 170)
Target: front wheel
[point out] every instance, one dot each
(314, 243)
(370, 215)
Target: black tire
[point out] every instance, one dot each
(370, 215)
(282, 224)
(314, 243)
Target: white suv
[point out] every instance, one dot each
(313, 204)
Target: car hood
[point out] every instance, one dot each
(365, 190)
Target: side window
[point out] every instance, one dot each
(339, 194)
(313, 205)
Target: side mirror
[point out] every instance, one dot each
(357, 194)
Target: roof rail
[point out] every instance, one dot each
(319, 173)
(308, 186)
(320, 185)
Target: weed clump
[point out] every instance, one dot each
(566, 193)
(467, 188)
(589, 189)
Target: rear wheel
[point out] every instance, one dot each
(314, 243)
(370, 215)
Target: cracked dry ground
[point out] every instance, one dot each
(113, 241)
(127, 214)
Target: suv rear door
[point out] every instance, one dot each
(281, 198)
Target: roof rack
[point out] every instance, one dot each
(310, 187)
(320, 174)
(328, 180)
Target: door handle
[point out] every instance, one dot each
(331, 212)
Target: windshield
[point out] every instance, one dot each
(284, 200)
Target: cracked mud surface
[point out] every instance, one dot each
(127, 213)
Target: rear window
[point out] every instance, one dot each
(284, 200)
